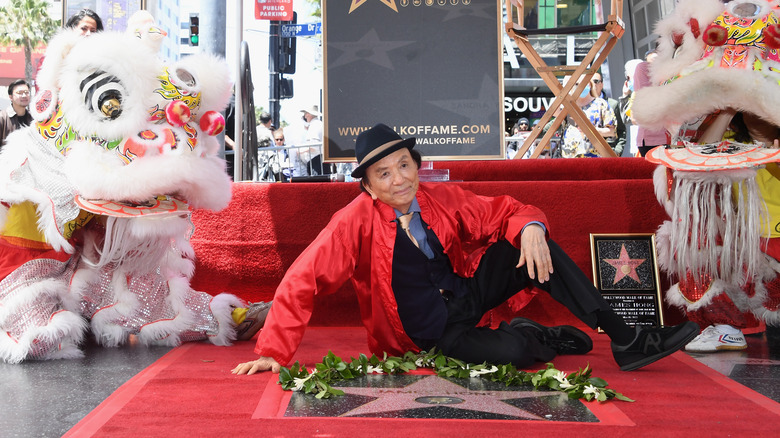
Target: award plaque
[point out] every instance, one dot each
(625, 271)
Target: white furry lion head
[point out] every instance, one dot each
(130, 126)
(712, 56)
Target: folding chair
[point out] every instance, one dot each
(565, 100)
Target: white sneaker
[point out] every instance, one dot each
(712, 340)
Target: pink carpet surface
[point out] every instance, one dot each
(191, 392)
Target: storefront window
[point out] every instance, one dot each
(548, 14)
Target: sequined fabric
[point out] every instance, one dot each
(694, 288)
(43, 172)
(22, 314)
(142, 305)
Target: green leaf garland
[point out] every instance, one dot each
(578, 385)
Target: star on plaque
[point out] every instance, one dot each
(357, 3)
(625, 266)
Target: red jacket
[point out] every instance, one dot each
(357, 244)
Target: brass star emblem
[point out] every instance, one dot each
(358, 3)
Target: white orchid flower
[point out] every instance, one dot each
(374, 370)
(590, 389)
(561, 378)
(299, 382)
(475, 373)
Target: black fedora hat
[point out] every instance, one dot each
(376, 143)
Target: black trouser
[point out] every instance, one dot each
(496, 280)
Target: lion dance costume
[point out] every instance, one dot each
(96, 197)
(723, 240)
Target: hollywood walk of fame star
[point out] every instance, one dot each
(368, 48)
(357, 3)
(625, 266)
(436, 391)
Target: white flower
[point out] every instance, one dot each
(475, 373)
(419, 362)
(590, 389)
(372, 369)
(564, 382)
(299, 382)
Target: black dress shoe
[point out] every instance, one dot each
(564, 339)
(653, 343)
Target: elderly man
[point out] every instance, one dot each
(428, 260)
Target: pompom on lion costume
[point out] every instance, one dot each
(95, 219)
(717, 79)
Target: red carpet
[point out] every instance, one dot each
(246, 248)
(190, 392)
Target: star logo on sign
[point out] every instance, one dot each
(435, 391)
(357, 3)
(625, 266)
(368, 48)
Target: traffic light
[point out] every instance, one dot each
(285, 88)
(194, 30)
(286, 62)
(281, 49)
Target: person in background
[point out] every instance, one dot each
(618, 142)
(625, 102)
(428, 260)
(16, 115)
(85, 22)
(520, 132)
(308, 161)
(647, 139)
(575, 143)
(265, 136)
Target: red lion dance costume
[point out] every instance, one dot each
(718, 76)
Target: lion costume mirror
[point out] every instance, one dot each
(96, 195)
(718, 84)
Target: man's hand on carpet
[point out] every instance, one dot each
(262, 364)
(535, 253)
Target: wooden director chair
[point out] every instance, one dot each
(565, 99)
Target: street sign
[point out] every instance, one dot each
(280, 10)
(293, 30)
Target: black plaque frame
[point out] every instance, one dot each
(625, 271)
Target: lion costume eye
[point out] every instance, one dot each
(102, 94)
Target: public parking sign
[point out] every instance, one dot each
(293, 30)
(280, 10)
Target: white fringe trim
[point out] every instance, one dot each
(222, 307)
(704, 211)
(61, 336)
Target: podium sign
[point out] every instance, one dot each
(429, 69)
(279, 10)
